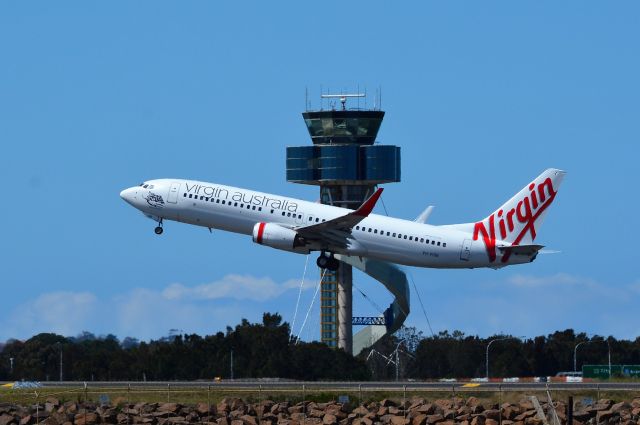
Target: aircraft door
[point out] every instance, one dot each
(465, 253)
(173, 193)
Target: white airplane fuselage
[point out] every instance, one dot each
(243, 211)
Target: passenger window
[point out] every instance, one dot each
(271, 211)
(357, 227)
(444, 244)
(299, 215)
(427, 240)
(235, 204)
(438, 243)
(190, 196)
(217, 201)
(410, 238)
(249, 207)
(283, 213)
(375, 231)
(433, 242)
(223, 202)
(405, 236)
(259, 208)
(317, 220)
(369, 229)
(394, 235)
(310, 218)
(184, 194)
(323, 220)
(421, 240)
(388, 233)
(206, 199)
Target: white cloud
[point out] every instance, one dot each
(557, 279)
(149, 313)
(233, 286)
(60, 312)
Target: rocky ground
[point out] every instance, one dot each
(234, 411)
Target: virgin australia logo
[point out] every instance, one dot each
(154, 200)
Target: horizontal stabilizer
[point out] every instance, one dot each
(521, 249)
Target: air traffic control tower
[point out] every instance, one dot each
(347, 164)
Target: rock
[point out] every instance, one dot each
(53, 401)
(490, 421)
(525, 404)
(492, 414)
(249, 420)
(420, 419)
(524, 415)
(509, 412)
(399, 420)
(88, 418)
(434, 419)
(449, 414)
(620, 407)
(604, 415)
(386, 403)
(477, 420)
(361, 411)
(416, 402)
(533, 421)
(7, 419)
(383, 411)
(329, 419)
(222, 421)
(581, 415)
(169, 407)
(427, 409)
(477, 409)
(316, 413)
(603, 404)
(465, 417)
(472, 401)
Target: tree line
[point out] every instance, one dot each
(258, 350)
(456, 355)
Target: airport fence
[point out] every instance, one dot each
(294, 393)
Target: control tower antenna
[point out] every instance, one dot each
(343, 98)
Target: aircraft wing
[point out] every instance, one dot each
(336, 231)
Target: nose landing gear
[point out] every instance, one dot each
(158, 229)
(327, 262)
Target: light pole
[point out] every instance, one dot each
(575, 369)
(11, 365)
(575, 352)
(489, 345)
(60, 347)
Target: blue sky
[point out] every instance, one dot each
(481, 96)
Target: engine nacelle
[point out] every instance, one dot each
(279, 237)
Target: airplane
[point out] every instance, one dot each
(505, 237)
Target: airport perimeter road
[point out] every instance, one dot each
(361, 386)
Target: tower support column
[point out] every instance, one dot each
(345, 307)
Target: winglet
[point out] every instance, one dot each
(367, 206)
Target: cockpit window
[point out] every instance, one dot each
(145, 186)
(150, 186)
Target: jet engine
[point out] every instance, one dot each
(279, 237)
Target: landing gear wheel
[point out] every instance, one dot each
(323, 261)
(158, 230)
(333, 264)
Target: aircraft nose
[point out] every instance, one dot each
(129, 195)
